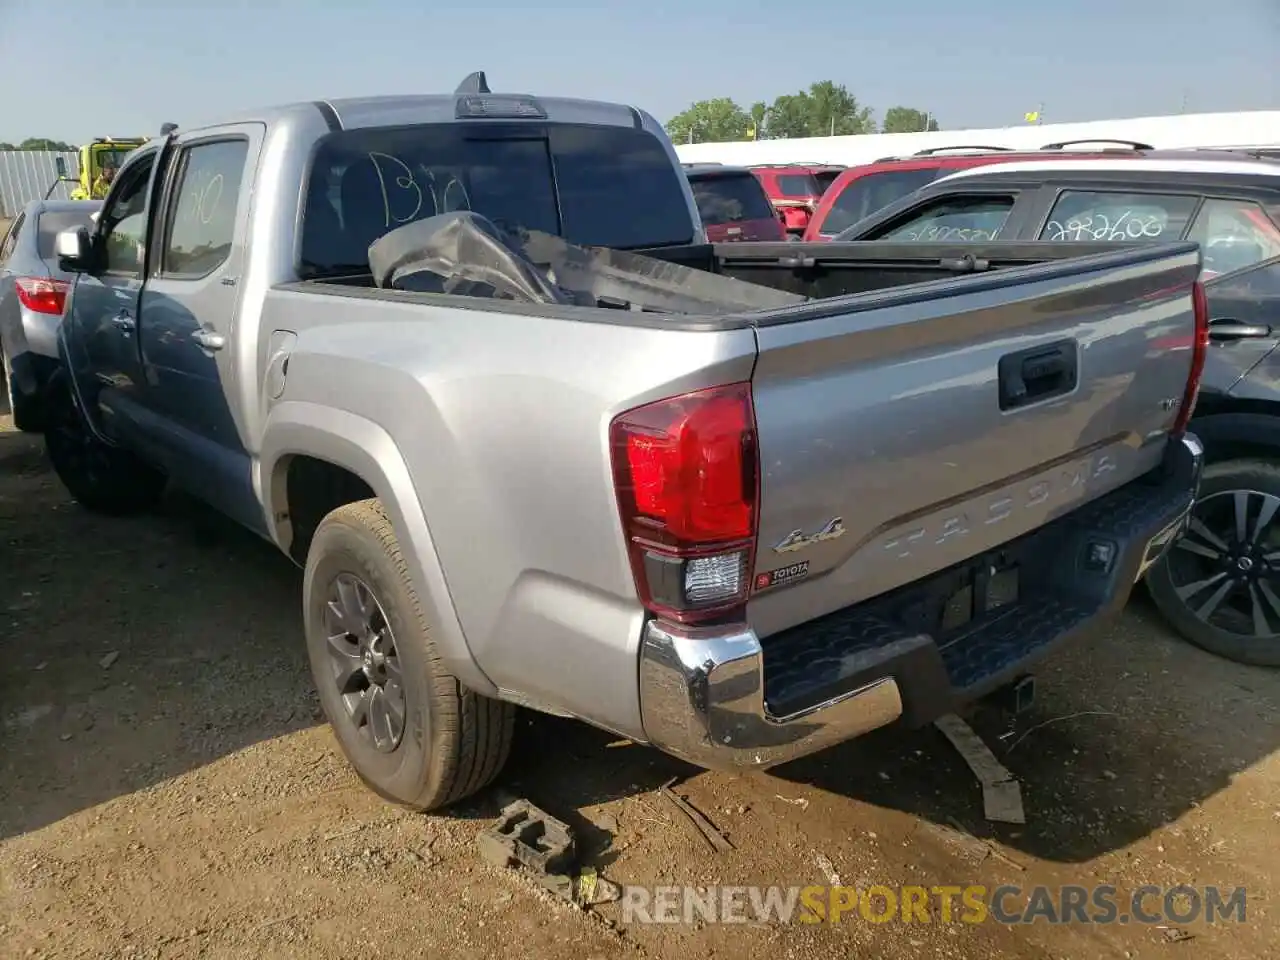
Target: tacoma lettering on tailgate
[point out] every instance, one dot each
(1035, 493)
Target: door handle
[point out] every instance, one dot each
(208, 340)
(1227, 329)
(124, 323)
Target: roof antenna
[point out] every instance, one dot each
(474, 83)
(167, 128)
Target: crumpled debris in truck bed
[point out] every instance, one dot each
(465, 254)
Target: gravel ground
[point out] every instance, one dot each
(168, 788)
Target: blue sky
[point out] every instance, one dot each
(123, 67)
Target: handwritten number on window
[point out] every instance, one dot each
(1128, 225)
(935, 233)
(401, 191)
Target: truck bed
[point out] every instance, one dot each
(927, 401)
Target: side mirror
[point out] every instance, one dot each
(73, 247)
(60, 164)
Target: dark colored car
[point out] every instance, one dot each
(733, 204)
(796, 189)
(1220, 585)
(862, 190)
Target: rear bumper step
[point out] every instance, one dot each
(722, 698)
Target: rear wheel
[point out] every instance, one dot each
(413, 732)
(100, 477)
(1219, 584)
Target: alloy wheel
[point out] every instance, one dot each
(364, 662)
(1226, 567)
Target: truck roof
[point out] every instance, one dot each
(394, 110)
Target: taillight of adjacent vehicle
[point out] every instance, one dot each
(42, 295)
(686, 474)
(1199, 351)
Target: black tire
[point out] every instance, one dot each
(101, 478)
(1230, 630)
(454, 741)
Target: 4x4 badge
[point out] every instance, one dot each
(798, 539)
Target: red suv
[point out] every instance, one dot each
(732, 204)
(795, 189)
(861, 191)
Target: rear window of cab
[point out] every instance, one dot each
(594, 185)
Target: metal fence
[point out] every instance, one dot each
(25, 175)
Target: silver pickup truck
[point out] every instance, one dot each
(466, 359)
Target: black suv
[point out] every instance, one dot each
(1220, 587)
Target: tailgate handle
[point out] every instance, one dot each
(1039, 373)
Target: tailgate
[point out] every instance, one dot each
(904, 431)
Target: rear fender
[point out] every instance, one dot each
(361, 446)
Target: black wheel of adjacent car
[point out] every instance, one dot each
(100, 477)
(1219, 585)
(412, 731)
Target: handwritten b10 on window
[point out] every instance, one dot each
(406, 193)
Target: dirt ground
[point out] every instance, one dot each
(168, 788)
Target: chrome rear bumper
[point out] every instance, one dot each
(703, 701)
(703, 690)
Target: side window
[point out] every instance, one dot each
(10, 241)
(1088, 215)
(202, 219)
(862, 196)
(1260, 281)
(1234, 234)
(953, 219)
(123, 224)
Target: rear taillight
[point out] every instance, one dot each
(686, 475)
(1199, 351)
(42, 295)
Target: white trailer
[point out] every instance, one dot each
(1258, 129)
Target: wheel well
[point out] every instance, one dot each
(313, 488)
(1240, 450)
(1235, 449)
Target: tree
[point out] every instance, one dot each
(908, 120)
(39, 144)
(789, 116)
(826, 108)
(709, 121)
(834, 111)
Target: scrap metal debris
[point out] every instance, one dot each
(828, 869)
(1001, 793)
(526, 837)
(801, 802)
(706, 829)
